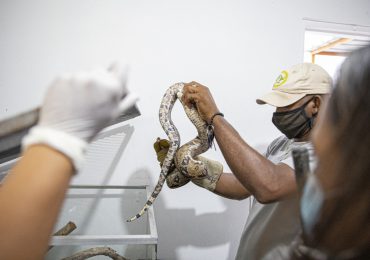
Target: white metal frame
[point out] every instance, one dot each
(336, 27)
(151, 239)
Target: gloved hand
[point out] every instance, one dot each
(215, 169)
(175, 179)
(76, 107)
(161, 147)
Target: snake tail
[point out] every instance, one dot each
(167, 103)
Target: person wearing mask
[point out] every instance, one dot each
(76, 107)
(273, 221)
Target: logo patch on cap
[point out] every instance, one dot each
(281, 79)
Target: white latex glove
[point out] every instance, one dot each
(76, 107)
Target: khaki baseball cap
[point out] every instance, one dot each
(295, 83)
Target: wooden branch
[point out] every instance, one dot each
(330, 45)
(107, 251)
(332, 53)
(67, 229)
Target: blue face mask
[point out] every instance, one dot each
(311, 203)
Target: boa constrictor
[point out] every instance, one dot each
(182, 158)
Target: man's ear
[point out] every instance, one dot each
(317, 104)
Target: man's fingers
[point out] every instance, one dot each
(193, 83)
(190, 89)
(190, 95)
(190, 99)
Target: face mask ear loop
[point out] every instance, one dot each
(312, 119)
(310, 123)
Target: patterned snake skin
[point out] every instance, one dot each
(182, 158)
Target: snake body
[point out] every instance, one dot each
(183, 157)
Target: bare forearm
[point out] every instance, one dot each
(267, 181)
(255, 172)
(229, 187)
(30, 200)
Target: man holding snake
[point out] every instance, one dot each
(273, 222)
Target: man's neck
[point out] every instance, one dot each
(304, 138)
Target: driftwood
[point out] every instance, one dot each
(88, 253)
(67, 229)
(85, 254)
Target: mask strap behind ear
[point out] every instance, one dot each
(310, 124)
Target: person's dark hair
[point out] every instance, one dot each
(345, 219)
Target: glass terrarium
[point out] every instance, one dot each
(99, 214)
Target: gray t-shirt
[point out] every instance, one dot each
(271, 227)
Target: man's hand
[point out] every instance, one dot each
(200, 96)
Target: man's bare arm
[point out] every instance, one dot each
(267, 181)
(228, 186)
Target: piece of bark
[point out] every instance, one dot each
(91, 252)
(67, 229)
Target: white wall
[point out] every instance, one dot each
(237, 48)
